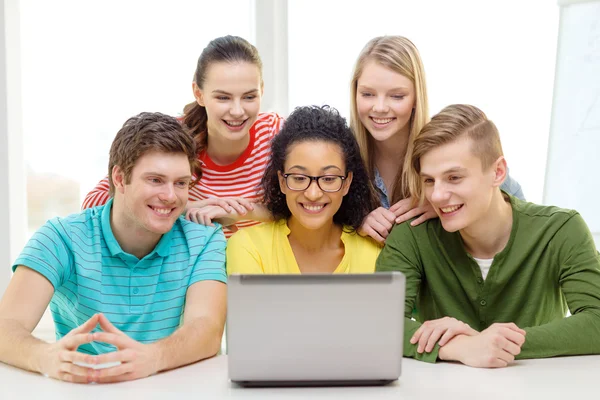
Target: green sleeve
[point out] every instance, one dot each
(401, 253)
(579, 279)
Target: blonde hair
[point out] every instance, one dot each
(452, 123)
(399, 55)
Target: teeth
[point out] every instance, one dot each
(234, 123)
(164, 211)
(450, 209)
(312, 208)
(382, 120)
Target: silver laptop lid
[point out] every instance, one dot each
(315, 327)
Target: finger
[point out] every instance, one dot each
(237, 206)
(205, 220)
(245, 203)
(192, 216)
(87, 326)
(408, 215)
(118, 340)
(76, 370)
(75, 357)
(515, 337)
(401, 207)
(114, 371)
(424, 217)
(122, 356)
(415, 337)
(512, 326)
(504, 358)
(434, 338)
(67, 377)
(449, 334)
(511, 347)
(73, 342)
(106, 325)
(424, 339)
(381, 229)
(372, 233)
(118, 378)
(386, 220)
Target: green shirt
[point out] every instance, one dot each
(549, 263)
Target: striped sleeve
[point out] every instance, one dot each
(98, 196)
(210, 264)
(47, 253)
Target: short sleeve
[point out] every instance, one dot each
(49, 253)
(210, 264)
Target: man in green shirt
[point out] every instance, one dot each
(542, 261)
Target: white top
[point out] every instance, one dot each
(548, 379)
(484, 265)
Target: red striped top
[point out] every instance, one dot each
(239, 179)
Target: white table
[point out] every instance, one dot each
(563, 378)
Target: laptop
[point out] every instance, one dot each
(315, 329)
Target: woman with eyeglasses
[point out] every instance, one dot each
(318, 191)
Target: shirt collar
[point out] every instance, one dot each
(162, 248)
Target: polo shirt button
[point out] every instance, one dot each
(479, 280)
(136, 290)
(483, 302)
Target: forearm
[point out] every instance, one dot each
(575, 335)
(410, 350)
(196, 340)
(18, 347)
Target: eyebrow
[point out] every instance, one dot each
(322, 169)
(448, 171)
(219, 91)
(391, 90)
(159, 175)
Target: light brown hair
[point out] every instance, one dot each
(450, 124)
(147, 132)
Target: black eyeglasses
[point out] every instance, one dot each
(327, 183)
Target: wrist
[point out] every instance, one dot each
(451, 350)
(38, 362)
(158, 356)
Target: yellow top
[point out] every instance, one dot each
(265, 249)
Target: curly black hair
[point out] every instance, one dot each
(313, 123)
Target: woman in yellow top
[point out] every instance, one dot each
(317, 188)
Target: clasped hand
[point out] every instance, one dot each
(226, 211)
(136, 360)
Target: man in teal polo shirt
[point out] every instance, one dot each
(492, 279)
(130, 284)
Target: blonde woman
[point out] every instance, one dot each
(388, 109)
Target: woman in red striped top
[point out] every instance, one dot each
(233, 137)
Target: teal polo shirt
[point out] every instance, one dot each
(91, 274)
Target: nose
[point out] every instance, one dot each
(313, 191)
(440, 194)
(167, 195)
(236, 109)
(380, 105)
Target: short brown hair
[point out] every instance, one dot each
(450, 124)
(147, 132)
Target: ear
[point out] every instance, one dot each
(198, 94)
(500, 170)
(282, 185)
(262, 88)
(118, 178)
(347, 183)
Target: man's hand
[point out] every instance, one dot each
(137, 360)
(495, 347)
(441, 330)
(58, 361)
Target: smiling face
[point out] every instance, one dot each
(313, 208)
(457, 186)
(231, 94)
(157, 191)
(385, 100)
